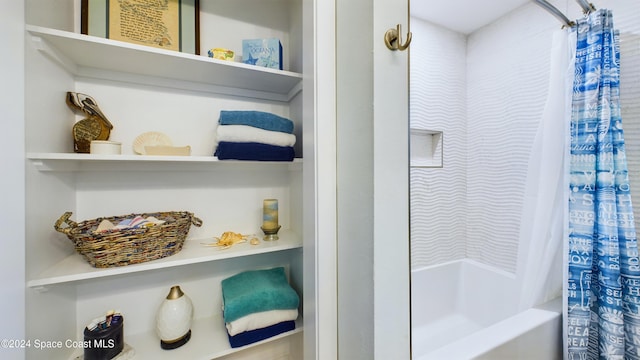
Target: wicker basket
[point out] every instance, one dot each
(128, 246)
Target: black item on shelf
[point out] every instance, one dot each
(104, 344)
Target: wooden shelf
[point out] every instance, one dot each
(208, 341)
(91, 162)
(76, 268)
(95, 57)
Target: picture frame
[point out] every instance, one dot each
(165, 24)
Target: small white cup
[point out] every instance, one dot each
(104, 147)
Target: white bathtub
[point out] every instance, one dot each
(466, 310)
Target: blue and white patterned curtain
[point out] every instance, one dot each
(603, 287)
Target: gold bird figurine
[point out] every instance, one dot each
(95, 126)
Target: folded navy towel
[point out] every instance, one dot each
(253, 151)
(259, 119)
(255, 291)
(252, 336)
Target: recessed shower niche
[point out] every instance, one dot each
(425, 148)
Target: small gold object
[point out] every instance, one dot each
(393, 39)
(174, 293)
(221, 54)
(228, 239)
(254, 241)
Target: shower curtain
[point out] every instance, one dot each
(602, 319)
(543, 220)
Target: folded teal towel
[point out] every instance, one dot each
(255, 291)
(259, 119)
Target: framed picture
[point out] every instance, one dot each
(165, 24)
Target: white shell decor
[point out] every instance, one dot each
(151, 138)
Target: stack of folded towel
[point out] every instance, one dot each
(254, 135)
(257, 305)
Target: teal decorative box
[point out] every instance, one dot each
(262, 52)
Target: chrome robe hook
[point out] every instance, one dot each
(393, 39)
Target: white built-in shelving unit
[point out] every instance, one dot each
(75, 268)
(108, 59)
(147, 89)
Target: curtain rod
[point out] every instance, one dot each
(555, 12)
(586, 6)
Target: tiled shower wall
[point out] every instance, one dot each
(486, 93)
(507, 77)
(437, 102)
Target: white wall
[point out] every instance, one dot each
(355, 181)
(12, 188)
(471, 207)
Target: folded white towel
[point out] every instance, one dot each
(260, 320)
(245, 133)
